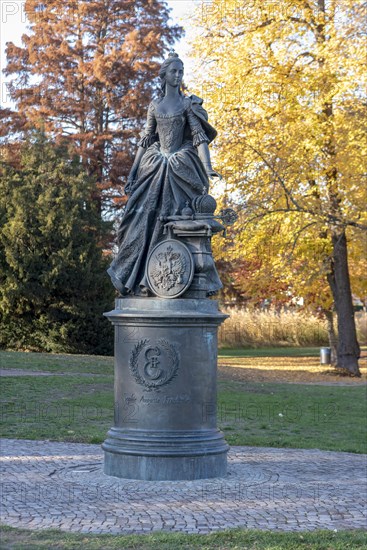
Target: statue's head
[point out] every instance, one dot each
(172, 61)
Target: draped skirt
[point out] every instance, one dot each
(163, 186)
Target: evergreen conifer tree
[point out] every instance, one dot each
(53, 284)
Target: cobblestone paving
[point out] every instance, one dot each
(61, 485)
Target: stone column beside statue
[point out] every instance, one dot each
(166, 323)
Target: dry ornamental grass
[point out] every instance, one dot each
(266, 328)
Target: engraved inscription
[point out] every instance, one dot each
(166, 399)
(154, 366)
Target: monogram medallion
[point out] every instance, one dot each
(170, 269)
(154, 365)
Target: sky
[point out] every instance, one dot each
(13, 24)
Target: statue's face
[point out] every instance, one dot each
(174, 73)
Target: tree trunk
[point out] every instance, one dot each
(333, 339)
(348, 351)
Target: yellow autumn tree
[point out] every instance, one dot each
(285, 86)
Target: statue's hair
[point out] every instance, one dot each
(172, 56)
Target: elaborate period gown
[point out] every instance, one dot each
(169, 175)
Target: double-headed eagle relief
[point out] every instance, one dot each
(170, 269)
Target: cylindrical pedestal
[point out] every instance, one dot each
(165, 391)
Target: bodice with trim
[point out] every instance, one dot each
(171, 129)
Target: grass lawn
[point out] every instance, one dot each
(79, 408)
(291, 415)
(58, 363)
(239, 539)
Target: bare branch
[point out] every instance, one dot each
(279, 178)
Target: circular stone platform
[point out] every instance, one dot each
(61, 485)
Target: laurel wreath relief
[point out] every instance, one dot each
(170, 370)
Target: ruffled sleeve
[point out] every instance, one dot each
(198, 134)
(149, 135)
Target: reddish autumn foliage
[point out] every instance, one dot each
(86, 71)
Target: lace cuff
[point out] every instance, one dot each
(199, 137)
(147, 140)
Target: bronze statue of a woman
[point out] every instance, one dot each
(172, 167)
